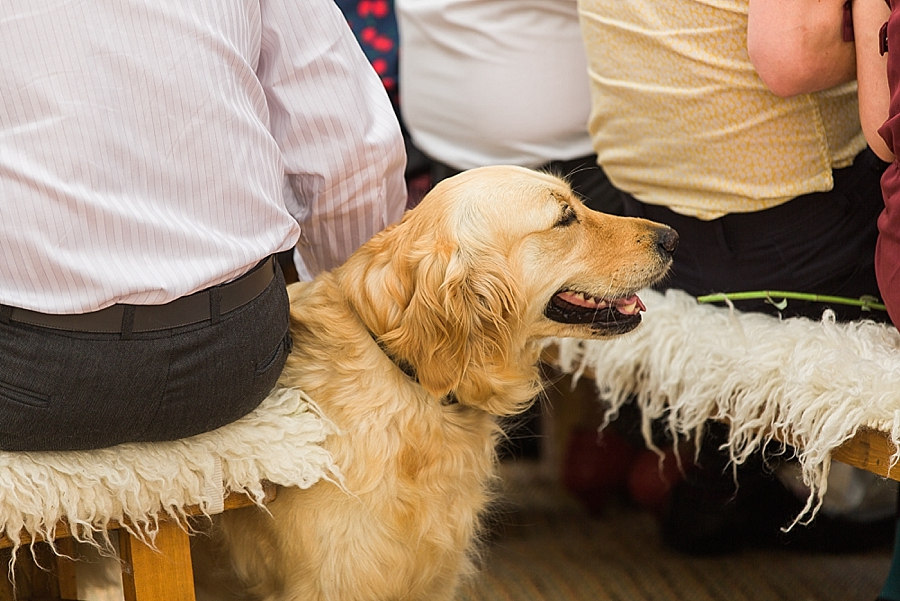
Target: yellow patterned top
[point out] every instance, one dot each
(681, 118)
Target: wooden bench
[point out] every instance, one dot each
(869, 449)
(163, 573)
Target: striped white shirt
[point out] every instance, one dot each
(153, 148)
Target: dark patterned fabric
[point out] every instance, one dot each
(375, 26)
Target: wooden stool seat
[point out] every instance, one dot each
(159, 573)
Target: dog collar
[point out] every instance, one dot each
(407, 368)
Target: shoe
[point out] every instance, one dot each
(709, 515)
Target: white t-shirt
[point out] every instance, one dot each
(485, 82)
(152, 148)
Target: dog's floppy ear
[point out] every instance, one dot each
(459, 326)
(435, 332)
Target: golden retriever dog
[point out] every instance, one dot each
(414, 348)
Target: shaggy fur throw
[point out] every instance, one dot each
(810, 384)
(278, 442)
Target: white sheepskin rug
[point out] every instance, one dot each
(278, 442)
(811, 384)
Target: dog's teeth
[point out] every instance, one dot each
(579, 299)
(588, 301)
(597, 303)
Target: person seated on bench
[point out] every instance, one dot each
(154, 156)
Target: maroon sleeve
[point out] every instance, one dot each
(847, 22)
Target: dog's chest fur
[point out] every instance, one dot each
(417, 472)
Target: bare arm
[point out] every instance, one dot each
(871, 68)
(796, 45)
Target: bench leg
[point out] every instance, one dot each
(163, 574)
(65, 569)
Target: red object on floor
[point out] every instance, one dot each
(649, 483)
(596, 466)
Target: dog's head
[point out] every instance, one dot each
(492, 260)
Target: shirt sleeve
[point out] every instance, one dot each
(340, 138)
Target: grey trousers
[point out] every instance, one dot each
(70, 390)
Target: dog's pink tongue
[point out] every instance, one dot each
(631, 305)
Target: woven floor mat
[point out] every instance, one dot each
(547, 548)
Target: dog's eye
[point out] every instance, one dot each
(568, 217)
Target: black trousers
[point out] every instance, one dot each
(70, 390)
(820, 243)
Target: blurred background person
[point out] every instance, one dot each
(754, 153)
(489, 82)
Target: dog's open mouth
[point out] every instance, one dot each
(613, 315)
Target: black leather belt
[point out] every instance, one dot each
(182, 311)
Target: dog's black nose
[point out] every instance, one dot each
(667, 240)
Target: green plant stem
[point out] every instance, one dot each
(769, 295)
